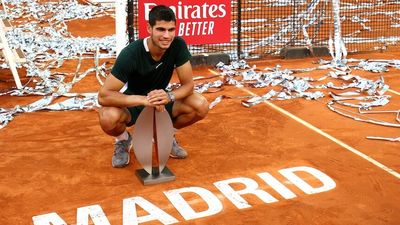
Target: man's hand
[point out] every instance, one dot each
(145, 102)
(160, 108)
(158, 97)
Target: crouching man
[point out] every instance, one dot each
(146, 67)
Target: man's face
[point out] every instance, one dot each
(162, 33)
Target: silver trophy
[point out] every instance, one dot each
(153, 136)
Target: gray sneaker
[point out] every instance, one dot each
(121, 153)
(177, 151)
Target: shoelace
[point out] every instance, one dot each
(120, 146)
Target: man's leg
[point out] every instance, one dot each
(186, 112)
(189, 110)
(113, 121)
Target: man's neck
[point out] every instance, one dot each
(155, 52)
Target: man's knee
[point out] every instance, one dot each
(201, 106)
(110, 117)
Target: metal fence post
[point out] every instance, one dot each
(239, 28)
(294, 31)
(130, 21)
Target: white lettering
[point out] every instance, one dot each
(203, 31)
(327, 182)
(175, 197)
(196, 28)
(212, 10)
(193, 11)
(181, 29)
(186, 208)
(96, 214)
(196, 14)
(211, 28)
(222, 10)
(251, 188)
(155, 213)
(48, 219)
(276, 185)
(204, 10)
(186, 9)
(147, 8)
(180, 10)
(187, 29)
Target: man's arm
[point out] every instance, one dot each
(109, 95)
(185, 75)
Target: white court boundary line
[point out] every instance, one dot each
(330, 137)
(394, 92)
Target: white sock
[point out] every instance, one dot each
(122, 137)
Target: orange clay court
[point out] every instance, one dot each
(289, 162)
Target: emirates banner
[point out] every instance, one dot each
(197, 21)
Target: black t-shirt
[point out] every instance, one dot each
(143, 74)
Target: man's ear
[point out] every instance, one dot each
(149, 28)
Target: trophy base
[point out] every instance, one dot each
(148, 179)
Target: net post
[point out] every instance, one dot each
(130, 21)
(120, 25)
(239, 29)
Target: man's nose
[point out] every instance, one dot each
(166, 34)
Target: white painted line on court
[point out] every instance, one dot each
(337, 141)
(394, 92)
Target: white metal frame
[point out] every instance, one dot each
(103, 2)
(120, 21)
(120, 24)
(8, 54)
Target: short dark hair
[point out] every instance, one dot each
(161, 12)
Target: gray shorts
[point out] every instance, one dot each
(136, 110)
